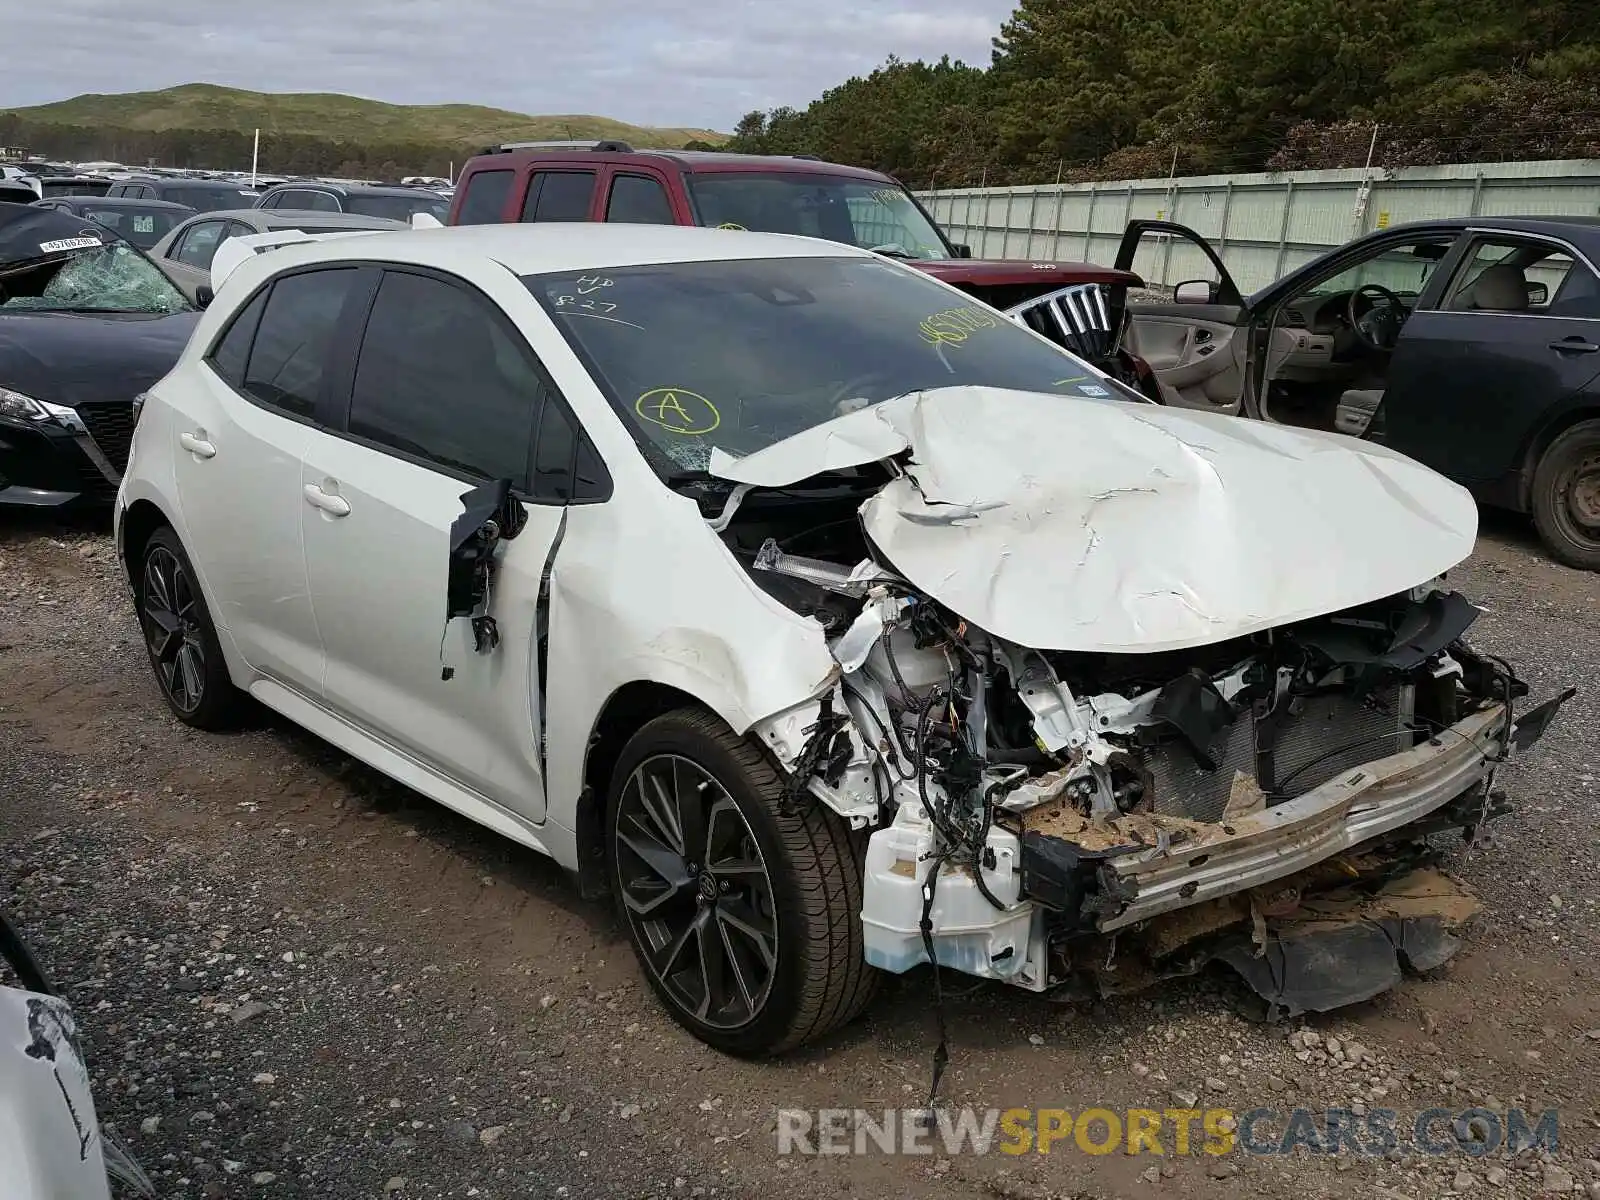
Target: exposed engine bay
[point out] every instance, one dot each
(1041, 816)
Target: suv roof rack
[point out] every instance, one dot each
(611, 146)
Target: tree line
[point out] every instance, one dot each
(1117, 89)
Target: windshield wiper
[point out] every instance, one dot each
(892, 252)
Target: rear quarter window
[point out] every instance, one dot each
(483, 201)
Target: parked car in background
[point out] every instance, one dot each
(826, 647)
(358, 199)
(185, 253)
(797, 194)
(1470, 344)
(87, 322)
(72, 185)
(15, 190)
(202, 195)
(142, 222)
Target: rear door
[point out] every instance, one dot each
(1515, 336)
(1192, 330)
(444, 394)
(240, 426)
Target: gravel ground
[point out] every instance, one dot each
(297, 979)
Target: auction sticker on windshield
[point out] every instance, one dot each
(77, 243)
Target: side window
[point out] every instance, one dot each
(559, 196)
(638, 200)
(199, 244)
(440, 377)
(273, 201)
(322, 201)
(1510, 275)
(229, 355)
(565, 463)
(485, 199)
(290, 354)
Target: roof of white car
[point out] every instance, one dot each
(533, 249)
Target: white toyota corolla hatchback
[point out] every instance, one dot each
(830, 621)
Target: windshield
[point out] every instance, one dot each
(739, 355)
(858, 212)
(398, 208)
(212, 199)
(107, 277)
(144, 227)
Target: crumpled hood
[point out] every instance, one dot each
(1096, 525)
(70, 358)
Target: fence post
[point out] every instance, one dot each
(1477, 194)
(1055, 240)
(1088, 225)
(1033, 212)
(1227, 203)
(1283, 230)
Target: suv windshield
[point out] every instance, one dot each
(858, 212)
(103, 277)
(741, 354)
(397, 208)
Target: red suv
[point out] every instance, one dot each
(1078, 305)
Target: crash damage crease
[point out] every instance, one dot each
(1124, 691)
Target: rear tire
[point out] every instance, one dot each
(180, 637)
(1566, 496)
(746, 921)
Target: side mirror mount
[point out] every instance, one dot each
(962, 249)
(1538, 295)
(1195, 291)
(204, 295)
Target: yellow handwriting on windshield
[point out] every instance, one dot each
(955, 325)
(678, 410)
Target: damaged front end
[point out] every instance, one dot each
(1063, 819)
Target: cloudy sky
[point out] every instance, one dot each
(666, 62)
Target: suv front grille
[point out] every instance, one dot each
(111, 427)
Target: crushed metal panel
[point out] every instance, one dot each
(49, 1138)
(1099, 526)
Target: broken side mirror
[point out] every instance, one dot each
(1195, 291)
(961, 249)
(1538, 295)
(490, 514)
(203, 296)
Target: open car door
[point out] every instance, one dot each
(1192, 334)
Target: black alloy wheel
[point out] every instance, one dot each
(744, 909)
(180, 637)
(696, 891)
(1566, 496)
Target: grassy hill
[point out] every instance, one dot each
(204, 106)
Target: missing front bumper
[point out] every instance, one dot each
(1149, 865)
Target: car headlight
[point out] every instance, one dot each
(41, 412)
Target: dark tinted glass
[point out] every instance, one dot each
(290, 355)
(440, 378)
(229, 355)
(559, 196)
(485, 201)
(638, 200)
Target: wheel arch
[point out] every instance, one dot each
(626, 711)
(1586, 409)
(141, 519)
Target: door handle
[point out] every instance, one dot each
(196, 444)
(334, 506)
(1575, 345)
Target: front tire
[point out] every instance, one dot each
(1566, 496)
(746, 920)
(180, 638)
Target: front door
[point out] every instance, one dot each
(1516, 335)
(444, 395)
(1190, 323)
(240, 431)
